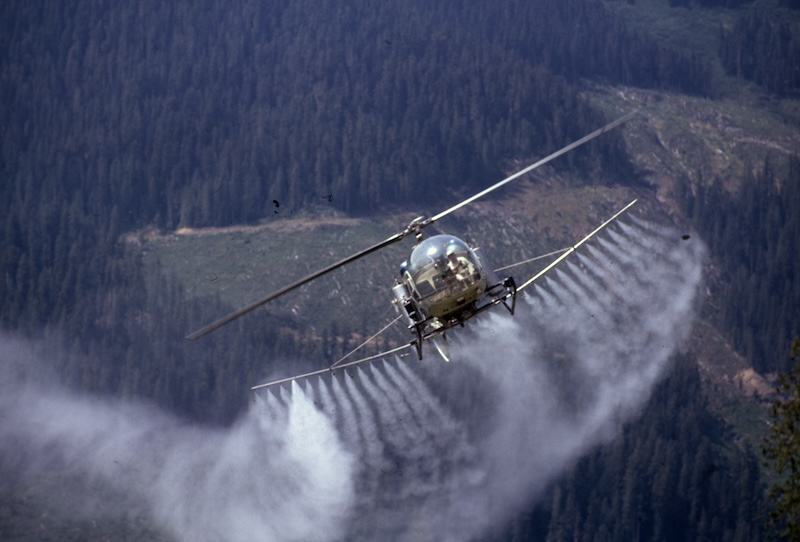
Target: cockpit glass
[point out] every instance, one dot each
(441, 265)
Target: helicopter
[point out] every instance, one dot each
(443, 283)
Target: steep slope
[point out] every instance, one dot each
(127, 131)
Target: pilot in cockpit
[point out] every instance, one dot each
(454, 263)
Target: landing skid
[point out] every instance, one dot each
(507, 297)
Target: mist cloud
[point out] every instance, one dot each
(272, 476)
(401, 450)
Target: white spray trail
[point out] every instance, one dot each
(404, 450)
(372, 449)
(280, 473)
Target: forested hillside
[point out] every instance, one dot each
(665, 478)
(763, 50)
(146, 117)
(122, 117)
(761, 310)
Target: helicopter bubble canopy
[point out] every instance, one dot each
(439, 262)
(438, 250)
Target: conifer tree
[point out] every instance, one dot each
(781, 448)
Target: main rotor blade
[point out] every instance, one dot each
(414, 227)
(543, 161)
(255, 304)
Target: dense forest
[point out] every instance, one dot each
(710, 3)
(763, 50)
(759, 287)
(123, 117)
(665, 478)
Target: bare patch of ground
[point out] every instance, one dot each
(284, 225)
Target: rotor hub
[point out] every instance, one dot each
(416, 226)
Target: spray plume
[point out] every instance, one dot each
(400, 450)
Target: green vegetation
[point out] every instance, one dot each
(656, 480)
(684, 27)
(763, 50)
(754, 235)
(148, 117)
(781, 449)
